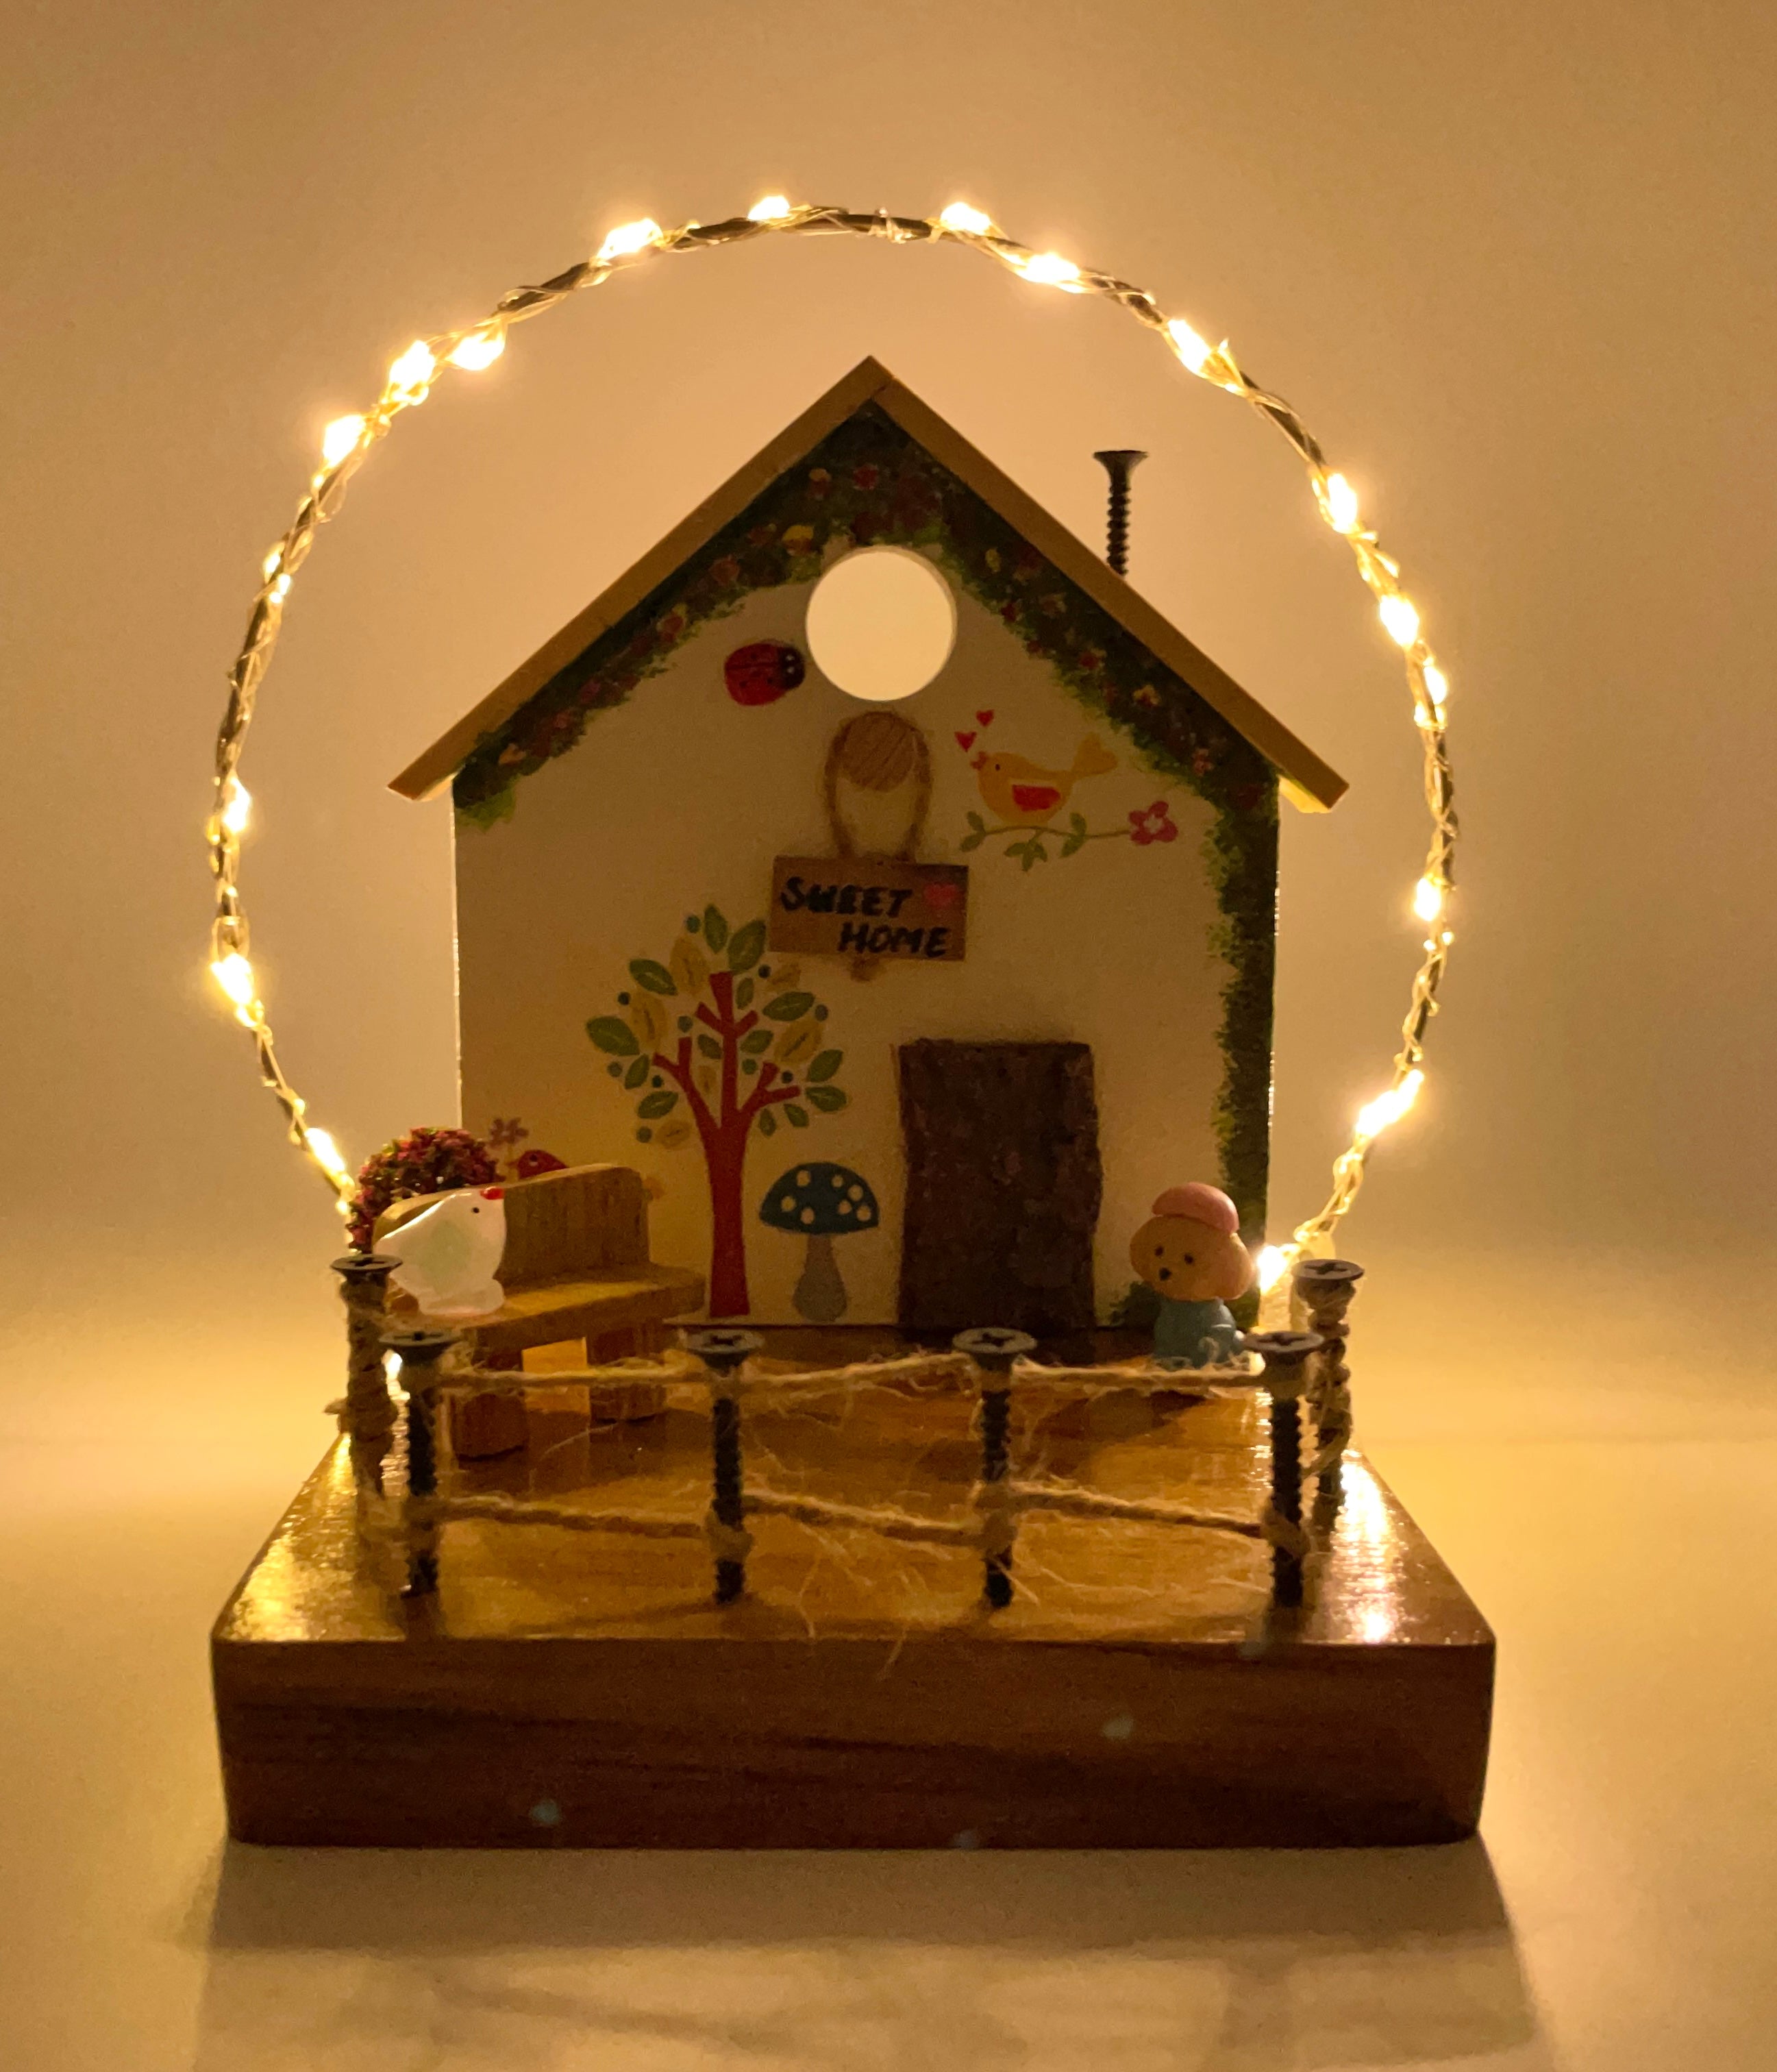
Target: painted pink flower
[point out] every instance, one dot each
(1153, 824)
(865, 476)
(1202, 762)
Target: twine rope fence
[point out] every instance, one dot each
(349, 440)
(997, 1502)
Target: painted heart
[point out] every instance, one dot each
(985, 718)
(965, 742)
(941, 895)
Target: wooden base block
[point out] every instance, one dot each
(576, 1688)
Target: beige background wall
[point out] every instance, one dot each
(1512, 262)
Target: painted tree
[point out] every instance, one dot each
(717, 1043)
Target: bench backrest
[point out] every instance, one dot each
(561, 1225)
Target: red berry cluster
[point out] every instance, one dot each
(424, 1161)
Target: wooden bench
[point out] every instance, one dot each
(575, 1268)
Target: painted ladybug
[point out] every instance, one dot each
(531, 1163)
(761, 671)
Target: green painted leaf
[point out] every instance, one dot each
(715, 928)
(612, 1032)
(1074, 843)
(790, 1006)
(489, 812)
(796, 1115)
(978, 824)
(768, 1123)
(973, 840)
(828, 1100)
(1077, 822)
(708, 1046)
(658, 1104)
(747, 947)
(743, 993)
(825, 1066)
(655, 977)
(756, 1040)
(637, 1073)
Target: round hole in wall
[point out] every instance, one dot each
(881, 623)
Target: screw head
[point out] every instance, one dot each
(994, 1346)
(1327, 1273)
(364, 1265)
(1282, 1348)
(722, 1347)
(1119, 460)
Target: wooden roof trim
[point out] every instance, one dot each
(1307, 782)
(1311, 783)
(446, 756)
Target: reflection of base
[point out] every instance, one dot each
(574, 1687)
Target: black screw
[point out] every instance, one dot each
(1119, 463)
(723, 1350)
(1285, 1355)
(420, 1351)
(993, 1349)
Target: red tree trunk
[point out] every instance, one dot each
(724, 1158)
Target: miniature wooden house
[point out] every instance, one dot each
(906, 1007)
(906, 923)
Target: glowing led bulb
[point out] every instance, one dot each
(772, 209)
(1428, 899)
(1437, 685)
(415, 368)
(235, 975)
(237, 805)
(1192, 350)
(1398, 615)
(629, 237)
(960, 216)
(1271, 1262)
(273, 561)
(480, 349)
(1049, 269)
(1341, 504)
(339, 439)
(1388, 1107)
(325, 1153)
(279, 590)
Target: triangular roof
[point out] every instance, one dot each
(1310, 782)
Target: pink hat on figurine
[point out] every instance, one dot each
(1201, 1203)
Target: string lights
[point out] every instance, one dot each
(346, 442)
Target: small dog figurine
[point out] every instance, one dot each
(1190, 1254)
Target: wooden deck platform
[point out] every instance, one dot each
(576, 1688)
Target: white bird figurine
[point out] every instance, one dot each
(450, 1253)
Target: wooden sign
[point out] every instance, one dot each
(863, 906)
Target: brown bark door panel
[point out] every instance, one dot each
(1003, 1185)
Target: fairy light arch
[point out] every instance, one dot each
(348, 442)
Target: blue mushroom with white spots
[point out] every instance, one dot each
(820, 1201)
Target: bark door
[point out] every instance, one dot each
(1003, 1185)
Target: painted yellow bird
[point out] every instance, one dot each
(1024, 794)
